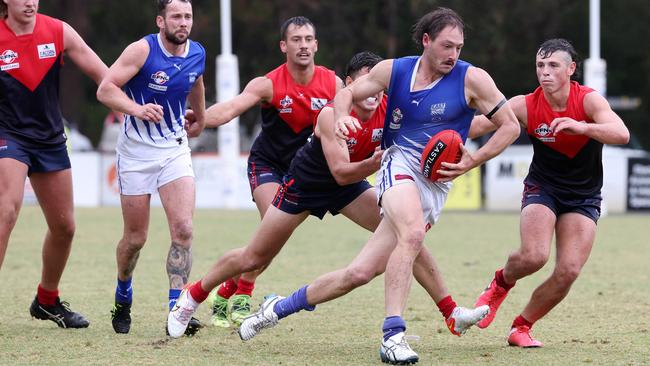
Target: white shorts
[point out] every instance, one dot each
(138, 177)
(397, 169)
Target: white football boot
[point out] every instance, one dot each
(264, 318)
(396, 351)
(181, 314)
(461, 319)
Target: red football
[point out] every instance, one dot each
(444, 146)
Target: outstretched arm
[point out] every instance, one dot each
(123, 70)
(257, 90)
(82, 55)
(608, 127)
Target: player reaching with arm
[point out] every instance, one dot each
(291, 96)
(568, 124)
(151, 82)
(326, 174)
(33, 142)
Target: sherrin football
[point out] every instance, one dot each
(442, 147)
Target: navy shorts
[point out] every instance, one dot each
(38, 159)
(293, 200)
(535, 193)
(260, 171)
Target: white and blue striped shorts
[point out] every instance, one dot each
(396, 168)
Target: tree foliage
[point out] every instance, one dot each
(501, 37)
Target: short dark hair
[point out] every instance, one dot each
(361, 60)
(298, 21)
(547, 48)
(3, 9)
(162, 5)
(434, 22)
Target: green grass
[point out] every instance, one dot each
(603, 321)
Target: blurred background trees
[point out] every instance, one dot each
(501, 37)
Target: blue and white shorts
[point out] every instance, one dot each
(397, 168)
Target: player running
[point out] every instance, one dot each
(327, 174)
(291, 96)
(568, 124)
(151, 82)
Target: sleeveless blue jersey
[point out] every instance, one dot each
(412, 118)
(166, 80)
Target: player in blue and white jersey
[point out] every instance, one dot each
(150, 82)
(427, 94)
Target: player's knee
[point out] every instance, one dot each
(413, 239)
(358, 276)
(134, 241)
(182, 232)
(64, 230)
(532, 260)
(566, 275)
(9, 214)
(252, 261)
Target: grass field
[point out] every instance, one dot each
(603, 321)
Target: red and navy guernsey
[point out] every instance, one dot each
(29, 83)
(287, 121)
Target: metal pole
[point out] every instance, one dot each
(595, 67)
(227, 88)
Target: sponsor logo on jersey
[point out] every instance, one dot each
(396, 119)
(318, 103)
(159, 78)
(8, 57)
(377, 133)
(46, 50)
(286, 103)
(437, 111)
(543, 133)
(3, 145)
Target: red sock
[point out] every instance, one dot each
(520, 320)
(46, 297)
(227, 288)
(198, 293)
(446, 306)
(244, 287)
(501, 282)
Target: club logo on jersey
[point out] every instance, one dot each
(3, 145)
(352, 142)
(193, 76)
(46, 50)
(286, 103)
(397, 118)
(437, 111)
(159, 78)
(377, 133)
(8, 57)
(318, 103)
(543, 133)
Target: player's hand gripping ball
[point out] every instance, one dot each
(444, 146)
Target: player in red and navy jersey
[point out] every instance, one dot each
(291, 96)
(568, 124)
(327, 174)
(32, 139)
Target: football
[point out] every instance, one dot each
(443, 147)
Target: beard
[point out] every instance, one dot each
(173, 38)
